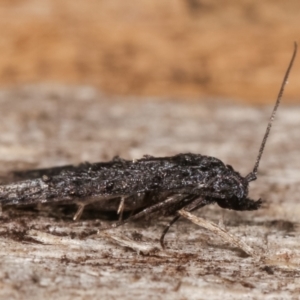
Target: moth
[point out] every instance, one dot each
(149, 185)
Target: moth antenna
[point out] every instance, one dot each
(253, 175)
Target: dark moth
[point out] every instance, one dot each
(145, 186)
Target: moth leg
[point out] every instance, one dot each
(166, 229)
(80, 208)
(197, 203)
(169, 201)
(83, 202)
(121, 208)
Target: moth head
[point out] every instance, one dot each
(230, 184)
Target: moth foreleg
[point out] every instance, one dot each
(197, 203)
(166, 229)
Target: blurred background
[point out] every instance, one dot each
(188, 49)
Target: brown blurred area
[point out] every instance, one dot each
(173, 48)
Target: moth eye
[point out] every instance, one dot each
(225, 187)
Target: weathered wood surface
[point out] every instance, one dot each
(44, 254)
